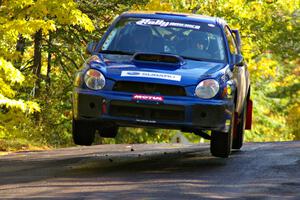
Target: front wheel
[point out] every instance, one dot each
(108, 132)
(238, 140)
(83, 132)
(220, 143)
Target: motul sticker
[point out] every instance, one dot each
(146, 74)
(142, 97)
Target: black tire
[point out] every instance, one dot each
(220, 143)
(238, 140)
(108, 132)
(83, 133)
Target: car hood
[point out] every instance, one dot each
(190, 73)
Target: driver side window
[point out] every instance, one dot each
(231, 42)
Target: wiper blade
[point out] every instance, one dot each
(192, 58)
(116, 52)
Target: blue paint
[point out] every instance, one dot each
(191, 71)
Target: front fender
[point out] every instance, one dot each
(242, 88)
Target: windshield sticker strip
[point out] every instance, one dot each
(162, 23)
(144, 74)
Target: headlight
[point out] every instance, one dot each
(207, 89)
(94, 79)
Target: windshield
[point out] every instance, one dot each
(199, 41)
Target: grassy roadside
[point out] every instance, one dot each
(17, 145)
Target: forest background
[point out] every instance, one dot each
(42, 45)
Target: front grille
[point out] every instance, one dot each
(149, 88)
(145, 111)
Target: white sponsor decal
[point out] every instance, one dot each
(144, 74)
(146, 121)
(162, 23)
(147, 97)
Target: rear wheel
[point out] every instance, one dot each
(108, 132)
(220, 143)
(238, 140)
(83, 132)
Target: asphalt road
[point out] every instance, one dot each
(162, 171)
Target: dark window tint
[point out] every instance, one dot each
(199, 41)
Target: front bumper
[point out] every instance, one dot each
(184, 113)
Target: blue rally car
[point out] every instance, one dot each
(165, 70)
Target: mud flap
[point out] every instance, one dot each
(249, 114)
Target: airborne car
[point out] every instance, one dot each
(165, 70)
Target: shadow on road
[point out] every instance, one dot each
(23, 171)
(256, 172)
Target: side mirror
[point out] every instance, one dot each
(91, 47)
(237, 37)
(238, 60)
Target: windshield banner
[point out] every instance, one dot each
(162, 23)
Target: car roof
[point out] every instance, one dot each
(188, 17)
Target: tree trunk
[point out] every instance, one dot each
(49, 60)
(20, 44)
(20, 47)
(37, 61)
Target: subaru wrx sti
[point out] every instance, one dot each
(165, 70)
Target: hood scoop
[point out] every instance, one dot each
(161, 59)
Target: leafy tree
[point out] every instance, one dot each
(31, 22)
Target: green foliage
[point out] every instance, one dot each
(19, 110)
